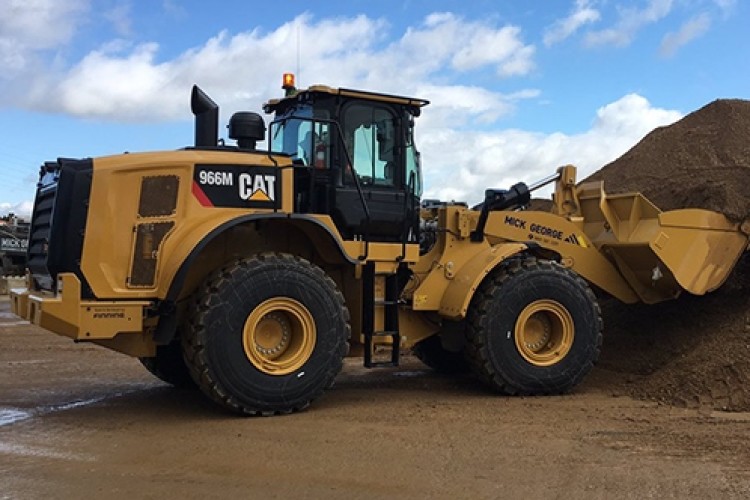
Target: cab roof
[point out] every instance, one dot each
(274, 104)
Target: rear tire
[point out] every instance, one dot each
(268, 335)
(169, 366)
(534, 327)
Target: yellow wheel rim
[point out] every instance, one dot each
(279, 336)
(544, 332)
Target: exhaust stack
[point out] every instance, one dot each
(206, 114)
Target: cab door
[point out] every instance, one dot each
(374, 147)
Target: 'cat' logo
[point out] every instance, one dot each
(257, 187)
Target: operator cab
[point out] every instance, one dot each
(355, 156)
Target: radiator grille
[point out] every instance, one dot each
(41, 223)
(59, 221)
(158, 196)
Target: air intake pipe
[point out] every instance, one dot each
(206, 114)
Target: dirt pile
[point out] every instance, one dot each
(694, 351)
(701, 161)
(691, 352)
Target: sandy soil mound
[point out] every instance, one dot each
(701, 161)
(694, 351)
(691, 352)
(541, 204)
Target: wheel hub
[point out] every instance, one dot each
(273, 334)
(544, 332)
(279, 336)
(538, 332)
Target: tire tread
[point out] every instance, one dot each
(476, 350)
(206, 299)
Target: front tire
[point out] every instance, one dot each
(268, 335)
(534, 327)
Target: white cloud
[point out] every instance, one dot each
(120, 82)
(125, 83)
(521, 62)
(22, 209)
(689, 31)
(29, 26)
(459, 105)
(630, 21)
(487, 46)
(583, 13)
(101, 85)
(445, 42)
(502, 158)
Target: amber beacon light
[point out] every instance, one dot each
(288, 83)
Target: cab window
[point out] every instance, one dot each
(299, 135)
(370, 136)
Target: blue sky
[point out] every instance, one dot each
(517, 88)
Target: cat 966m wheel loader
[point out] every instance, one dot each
(252, 273)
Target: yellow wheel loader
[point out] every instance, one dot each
(252, 273)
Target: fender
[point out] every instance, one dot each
(166, 310)
(458, 295)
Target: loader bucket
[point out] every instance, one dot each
(660, 254)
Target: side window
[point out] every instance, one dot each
(371, 140)
(302, 137)
(314, 146)
(413, 171)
